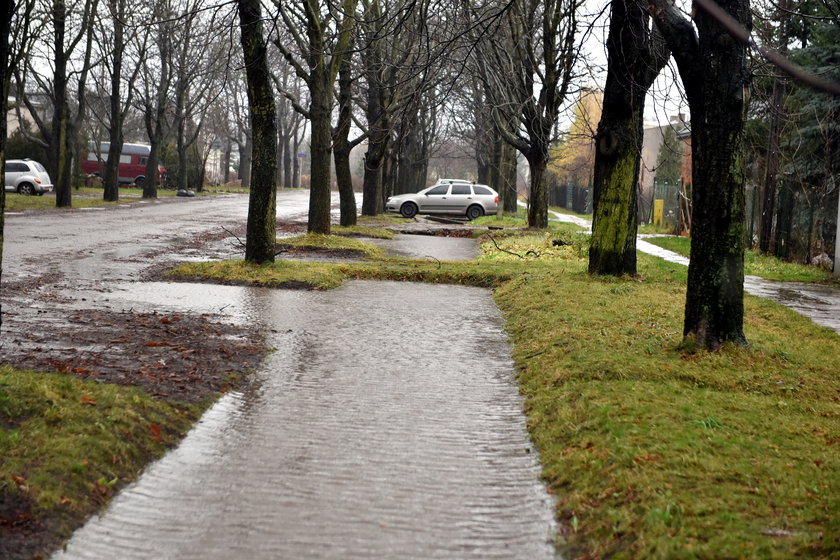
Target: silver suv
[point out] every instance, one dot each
(455, 197)
(26, 176)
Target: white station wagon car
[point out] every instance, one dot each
(459, 198)
(26, 176)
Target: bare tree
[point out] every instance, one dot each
(70, 24)
(528, 54)
(114, 36)
(154, 89)
(317, 57)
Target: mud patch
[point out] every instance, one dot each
(22, 534)
(181, 357)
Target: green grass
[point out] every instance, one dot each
(66, 444)
(19, 202)
(317, 241)
(652, 452)
(755, 263)
(90, 197)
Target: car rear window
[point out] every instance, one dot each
(482, 190)
(39, 167)
(461, 189)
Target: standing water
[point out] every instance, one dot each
(387, 424)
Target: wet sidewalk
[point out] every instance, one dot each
(819, 303)
(388, 424)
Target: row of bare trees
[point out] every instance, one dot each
(399, 76)
(165, 73)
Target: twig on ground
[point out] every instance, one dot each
(241, 243)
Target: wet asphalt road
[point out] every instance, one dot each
(387, 424)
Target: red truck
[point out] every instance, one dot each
(132, 167)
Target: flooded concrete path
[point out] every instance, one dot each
(387, 424)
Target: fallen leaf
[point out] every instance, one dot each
(88, 401)
(155, 430)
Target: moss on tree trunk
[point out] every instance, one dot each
(634, 60)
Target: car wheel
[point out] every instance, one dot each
(408, 210)
(474, 212)
(140, 182)
(26, 188)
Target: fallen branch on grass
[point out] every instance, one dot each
(530, 252)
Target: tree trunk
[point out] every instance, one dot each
(507, 173)
(6, 14)
(714, 71)
(156, 113)
(784, 222)
(296, 163)
(341, 147)
(152, 164)
(768, 209)
(288, 157)
(61, 148)
(183, 182)
(262, 211)
(714, 309)
(245, 153)
(111, 192)
(372, 190)
(320, 111)
(538, 199)
(225, 162)
(631, 68)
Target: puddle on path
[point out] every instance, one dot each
(428, 246)
(387, 424)
(819, 303)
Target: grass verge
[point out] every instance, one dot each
(91, 197)
(66, 445)
(755, 263)
(651, 452)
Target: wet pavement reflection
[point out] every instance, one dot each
(426, 246)
(387, 424)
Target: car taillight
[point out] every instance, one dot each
(496, 200)
(38, 181)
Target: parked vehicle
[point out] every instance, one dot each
(460, 198)
(26, 176)
(132, 166)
